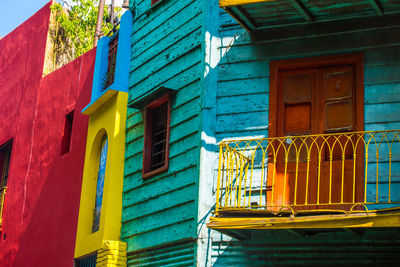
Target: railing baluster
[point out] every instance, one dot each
(377, 177)
(319, 176)
(342, 186)
(366, 173)
(237, 177)
(262, 177)
(354, 176)
(330, 174)
(390, 172)
(297, 171)
(220, 166)
(285, 178)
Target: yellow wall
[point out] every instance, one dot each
(109, 118)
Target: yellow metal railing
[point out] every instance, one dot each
(342, 171)
(2, 196)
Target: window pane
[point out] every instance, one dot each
(100, 184)
(159, 135)
(339, 116)
(297, 88)
(297, 118)
(338, 84)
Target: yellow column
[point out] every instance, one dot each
(113, 253)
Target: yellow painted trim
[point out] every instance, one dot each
(113, 253)
(354, 220)
(2, 197)
(227, 3)
(92, 107)
(235, 172)
(108, 118)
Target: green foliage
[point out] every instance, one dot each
(77, 25)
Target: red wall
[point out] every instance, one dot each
(42, 202)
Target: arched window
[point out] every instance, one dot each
(100, 184)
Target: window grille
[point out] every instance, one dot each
(112, 60)
(159, 136)
(155, 155)
(86, 261)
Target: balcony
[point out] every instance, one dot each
(259, 15)
(2, 197)
(339, 180)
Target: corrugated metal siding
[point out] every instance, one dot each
(179, 254)
(166, 50)
(325, 249)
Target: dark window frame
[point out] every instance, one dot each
(147, 171)
(5, 165)
(67, 133)
(153, 2)
(5, 162)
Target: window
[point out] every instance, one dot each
(87, 261)
(156, 136)
(153, 2)
(100, 184)
(66, 139)
(5, 156)
(112, 60)
(319, 96)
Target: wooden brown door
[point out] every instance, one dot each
(312, 170)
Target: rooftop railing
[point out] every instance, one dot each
(345, 172)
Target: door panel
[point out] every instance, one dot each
(294, 172)
(297, 118)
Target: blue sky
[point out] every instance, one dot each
(15, 12)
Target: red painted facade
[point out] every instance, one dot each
(42, 201)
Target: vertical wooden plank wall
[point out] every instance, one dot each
(159, 211)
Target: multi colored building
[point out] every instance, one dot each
(262, 133)
(226, 133)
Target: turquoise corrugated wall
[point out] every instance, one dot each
(166, 51)
(330, 248)
(176, 254)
